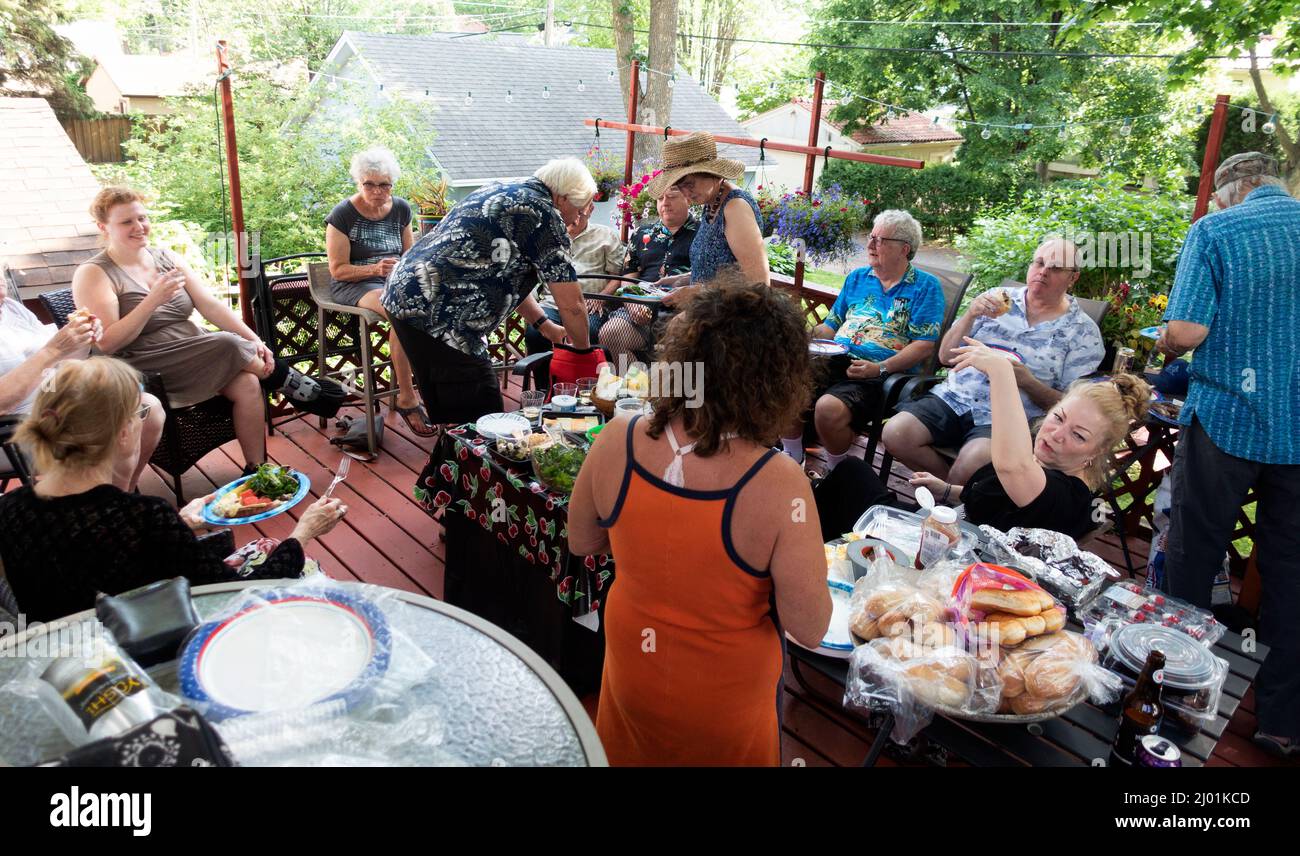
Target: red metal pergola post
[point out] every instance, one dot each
(810, 160)
(236, 199)
(1218, 122)
(633, 96)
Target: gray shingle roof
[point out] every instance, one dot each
(494, 139)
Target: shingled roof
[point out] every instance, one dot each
(903, 128)
(493, 139)
(50, 189)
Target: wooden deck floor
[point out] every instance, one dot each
(387, 539)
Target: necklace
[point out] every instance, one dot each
(716, 203)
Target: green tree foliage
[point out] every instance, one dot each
(35, 61)
(1005, 89)
(1001, 243)
(292, 170)
(944, 198)
(1238, 136)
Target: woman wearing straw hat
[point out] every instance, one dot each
(729, 233)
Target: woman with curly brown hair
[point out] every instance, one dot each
(715, 537)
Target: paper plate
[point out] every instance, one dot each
(826, 348)
(1008, 353)
(1158, 397)
(837, 643)
(209, 510)
(502, 426)
(286, 650)
(1149, 332)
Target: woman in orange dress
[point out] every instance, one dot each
(716, 540)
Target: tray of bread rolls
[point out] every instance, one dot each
(976, 642)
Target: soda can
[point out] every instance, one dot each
(1124, 358)
(1156, 751)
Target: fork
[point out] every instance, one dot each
(344, 466)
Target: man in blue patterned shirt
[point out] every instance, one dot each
(461, 281)
(1236, 300)
(1053, 341)
(888, 317)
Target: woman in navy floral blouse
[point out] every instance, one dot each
(461, 281)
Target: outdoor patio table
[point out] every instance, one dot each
(496, 702)
(1079, 737)
(507, 556)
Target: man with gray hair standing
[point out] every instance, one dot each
(1236, 300)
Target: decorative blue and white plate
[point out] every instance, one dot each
(826, 348)
(210, 512)
(1150, 332)
(838, 642)
(286, 650)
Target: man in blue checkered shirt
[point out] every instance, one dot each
(1236, 300)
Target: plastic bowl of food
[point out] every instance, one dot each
(556, 466)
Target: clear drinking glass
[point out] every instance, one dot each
(585, 386)
(531, 403)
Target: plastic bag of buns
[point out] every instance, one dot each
(887, 602)
(1052, 671)
(991, 602)
(911, 679)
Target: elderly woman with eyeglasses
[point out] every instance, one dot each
(729, 234)
(1050, 341)
(365, 235)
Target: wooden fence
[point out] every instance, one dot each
(99, 140)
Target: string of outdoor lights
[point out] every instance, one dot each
(987, 129)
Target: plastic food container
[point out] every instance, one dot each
(1193, 678)
(902, 529)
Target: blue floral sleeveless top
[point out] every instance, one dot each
(709, 251)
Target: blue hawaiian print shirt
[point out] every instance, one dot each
(1239, 275)
(460, 281)
(1056, 352)
(875, 324)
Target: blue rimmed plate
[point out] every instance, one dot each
(837, 642)
(210, 514)
(286, 649)
(826, 348)
(1010, 354)
(1152, 333)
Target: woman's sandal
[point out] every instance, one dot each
(1279, 747)
(423, 427)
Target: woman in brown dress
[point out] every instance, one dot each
(145, 297)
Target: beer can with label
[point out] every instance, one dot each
(1156, 751)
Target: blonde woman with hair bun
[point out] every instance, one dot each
(75, 534)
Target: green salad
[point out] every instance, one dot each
(557, 466)
(634, 290)
(273, 482)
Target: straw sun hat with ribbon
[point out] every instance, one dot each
(690, 154)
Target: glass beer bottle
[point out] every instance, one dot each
(1142, 712)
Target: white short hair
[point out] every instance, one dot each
(376, 160)
(1237, 191)
(570, 178)
(902, 224)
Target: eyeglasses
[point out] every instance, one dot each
(143, 411)
(1039, 263)
(370, 185)
(872, 240)
(672, 193)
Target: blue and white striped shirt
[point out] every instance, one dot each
(1239, 275)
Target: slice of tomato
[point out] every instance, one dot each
(250, 498)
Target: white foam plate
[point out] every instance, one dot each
(502, 426)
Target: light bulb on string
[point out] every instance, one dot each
(986, 134)
(672, 81)
(611, 76)
(582, 87)
(1127, 127)
(1269, 126)
(889, 115)
(510, 97)
(546, 92)
(469, 99)
(1064, 132)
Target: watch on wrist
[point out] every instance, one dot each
(537, 325)
(884, 372)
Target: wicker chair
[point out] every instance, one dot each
(189, 432)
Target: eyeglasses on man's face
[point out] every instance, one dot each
(143, 411)
(1040, 263)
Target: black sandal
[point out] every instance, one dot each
(426, 429)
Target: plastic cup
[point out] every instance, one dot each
(565, 397)
(585, 387)
(530, 403)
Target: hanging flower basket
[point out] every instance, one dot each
(634, 202)
(824, 223)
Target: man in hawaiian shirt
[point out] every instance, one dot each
(1056, 342)
(888, 317)
(460, 282)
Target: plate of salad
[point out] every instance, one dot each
(642, 292)
(270, 491)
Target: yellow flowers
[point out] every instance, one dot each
(1159, 301)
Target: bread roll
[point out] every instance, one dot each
(1022, 602)
(941, 691)
(916, 609)
(1034, 624)
(1009, 633)
(1013, 677)
(863, 627)
(1052, 675)
(1054, 618)
(1028, 704)
(1045, 600)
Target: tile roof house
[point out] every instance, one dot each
(910, 135)
(50, 189)
(527, 105)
